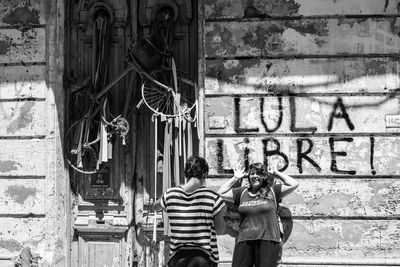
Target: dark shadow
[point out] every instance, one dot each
(287, 221)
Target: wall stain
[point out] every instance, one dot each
(262, 8)
(330, 204)
(60, 243)
(326, 238)
(351, 22)
(218, 7)
(226, 37)
(24, 119)
(223, 108)
(11, 245)
(226, 72)
(262, 35)
(394, 28)
(388, 199)
(22, 15)
(304, 27)
(300, 238)
(320, 42)
(376, 67)
(252, 8)
(20, 193)
(285, 7)
(252, 12)
(4, 46)
(376, 186)
(218, 41)
(353, 232)
(8, 165)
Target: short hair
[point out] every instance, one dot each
(262, 170)
(196, 167)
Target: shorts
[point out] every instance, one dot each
(258, 253)
(191, 258)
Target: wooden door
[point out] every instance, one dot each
(185, 51)
(109, 204)
(98, 34)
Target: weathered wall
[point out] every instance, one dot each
(32, 175)
(308, 83)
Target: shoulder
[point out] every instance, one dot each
(207, 191)
(237, 191)
(174, 190)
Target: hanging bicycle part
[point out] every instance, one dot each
(91, 143)
(168, 101)
(167, 92)
(150, 53)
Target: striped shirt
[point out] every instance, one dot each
(191, 219)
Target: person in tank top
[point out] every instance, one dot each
(259, 239)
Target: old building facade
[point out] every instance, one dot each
(310, 84)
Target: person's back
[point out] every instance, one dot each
(195, 216)
(191, 219)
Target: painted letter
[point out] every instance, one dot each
(278, 124)
(220, 158)
(236, 122)
(268, 153)
(246, 154)
(334, 154)
(342, 114)
(303, 155)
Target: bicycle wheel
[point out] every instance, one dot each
(82, 157)
(162, 97)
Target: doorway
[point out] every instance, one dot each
(111, 139)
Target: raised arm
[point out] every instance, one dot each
(289, 184)
(225, 191)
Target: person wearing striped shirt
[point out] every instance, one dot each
(195, 215)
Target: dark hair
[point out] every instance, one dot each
(261, 170)
(196, 167)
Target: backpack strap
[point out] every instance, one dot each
(242, 194)
(273, 193)
(280, 225)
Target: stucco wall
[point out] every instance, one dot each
(308, 83)
(32, 175)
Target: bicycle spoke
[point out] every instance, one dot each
(164, 104)
(158, 92)
(158, 104)
(156, 97)
(151, 99)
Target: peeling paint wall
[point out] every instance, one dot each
(308, 84)
(33, 191)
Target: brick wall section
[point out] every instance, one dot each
(32, 175)
(285, 79)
